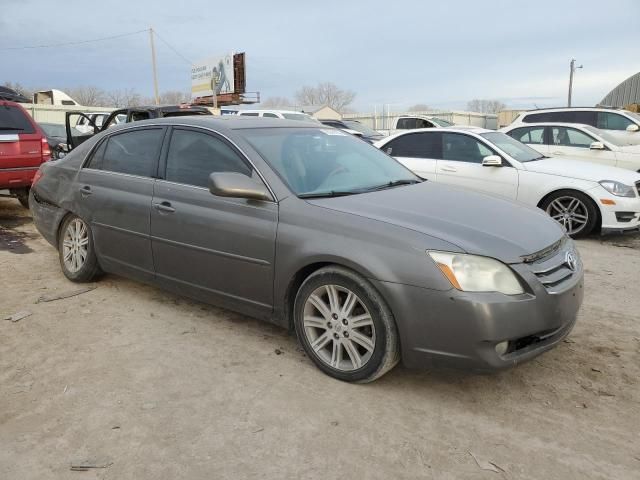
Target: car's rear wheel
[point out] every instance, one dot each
(76, 251)
(575, 211)
(23, 197)
(345, 326)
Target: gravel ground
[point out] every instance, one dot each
(147, 385)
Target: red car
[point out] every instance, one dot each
(23, 148)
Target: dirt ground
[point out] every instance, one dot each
(148, 385)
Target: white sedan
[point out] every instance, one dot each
(581, 196)
(581, 142)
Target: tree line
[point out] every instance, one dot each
(324, 93)
(92, 96)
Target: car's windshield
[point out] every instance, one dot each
(54, 130)
(633, 115)
(326, 161)
(442, 123)
(297, 116)
(359, 127)
(605, 135)
(511, 146)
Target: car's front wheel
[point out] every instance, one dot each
(574, 210)
(345, 326)
(76, 251)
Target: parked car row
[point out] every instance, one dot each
(361, 254)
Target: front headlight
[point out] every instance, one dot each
(618, 189)
(471, 273)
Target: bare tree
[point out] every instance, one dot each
(127, 97)
(420, 107)
(325, 93)
(275, 102)
(485, 106)
(174, 97)
(88, 95)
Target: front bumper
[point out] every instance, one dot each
(623, 216)
(460, 330)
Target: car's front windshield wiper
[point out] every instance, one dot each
(332, 193)
(394, 183)
(537, 158)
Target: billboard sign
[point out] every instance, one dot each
(212, 73)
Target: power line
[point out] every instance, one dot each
(172, 48)
(75, 43)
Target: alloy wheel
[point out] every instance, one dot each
(75, 245)
(570, 212)
(339, 327)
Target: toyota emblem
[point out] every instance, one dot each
(571, 261)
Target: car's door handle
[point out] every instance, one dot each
(164, 207)
(86, 190)
(448, 169)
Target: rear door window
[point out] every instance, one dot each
(406, 123)
(268, 114)
(14, 120)
(194, 155)
(133, 153)
(416, 145)
(533, 135)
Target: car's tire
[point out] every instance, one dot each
(345, 326)
(573, 210)
(76, 251)
(23, 197)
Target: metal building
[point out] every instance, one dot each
(626, 93)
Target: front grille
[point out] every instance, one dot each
(554, 270)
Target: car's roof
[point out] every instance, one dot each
(269, 110)
(230, 122)
(548, 124)
(568, 109)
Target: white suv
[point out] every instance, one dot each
(623, 124)
(288, 114)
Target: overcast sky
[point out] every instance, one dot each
(442, 53)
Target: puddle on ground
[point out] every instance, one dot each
(12, 240)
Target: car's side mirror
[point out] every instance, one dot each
(237, 185)
(597, 146)
(633, 128)
(492, 161)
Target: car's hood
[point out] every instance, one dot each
(477, 223)
(578, 169)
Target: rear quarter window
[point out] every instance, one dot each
(14, 120)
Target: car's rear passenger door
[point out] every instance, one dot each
(113, 193)
(417, 151)
(214, 248)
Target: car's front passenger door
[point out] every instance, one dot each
(573, 143)
(461, 164)
(210, 247)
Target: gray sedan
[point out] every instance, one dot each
(318, 232)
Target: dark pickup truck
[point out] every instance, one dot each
(124, 115)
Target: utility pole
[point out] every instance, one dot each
(572, 69)
(155, 71)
